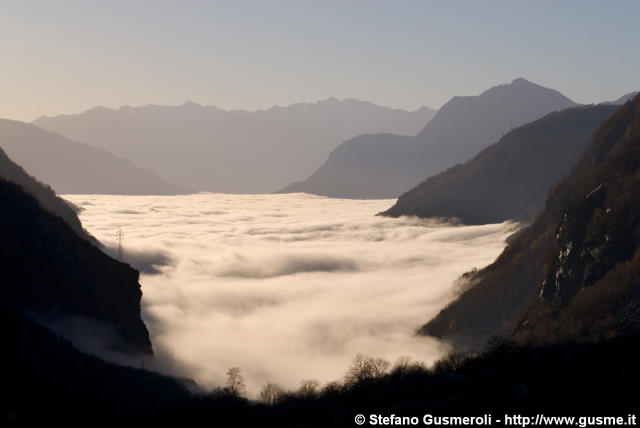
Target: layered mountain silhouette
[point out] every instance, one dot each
(53, 274)
(588, 290)
(509, 179)
(573, 274)
(385, 165)
(72, 167)
(210, 149)
(10, 171)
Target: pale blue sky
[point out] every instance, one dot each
(67, 56)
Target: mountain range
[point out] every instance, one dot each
(573, 274)
(563, 296)
(210, 149)
(385, 165)
(508, 180)
(72, 167)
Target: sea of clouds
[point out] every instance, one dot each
(287, 287)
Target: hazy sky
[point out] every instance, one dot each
(67, 56)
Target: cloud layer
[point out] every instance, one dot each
(288, 287)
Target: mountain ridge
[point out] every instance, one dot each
(509, 179)
(72, 167)
(189, 104)
(385, 165)
(203, 147)
(45, 195)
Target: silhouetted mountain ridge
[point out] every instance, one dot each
(509, 179)
(204, 147)
(385, 165)
(45, 195)
(72, 167)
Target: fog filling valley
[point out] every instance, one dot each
(286, 287)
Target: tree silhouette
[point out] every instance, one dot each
(365, 368)
(308, 388)
(234, 384)
(271, 393)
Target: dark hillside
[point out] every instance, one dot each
(13, 172)
(50, 271)
(510, 179)
(573, 274)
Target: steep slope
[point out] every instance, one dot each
(46, 381)
(623, 99)
(575, 272)
(54, 275)
(385, 165)
(72, 167)
(10, 171)
(205, 147)
(509, 179)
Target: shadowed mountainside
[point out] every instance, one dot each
(385, 165)
(53, 274)
(574, 273)
(509, 179)
(50, 383)
(45, 195)
(238, 151)
(72, 167)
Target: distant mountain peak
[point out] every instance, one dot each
(99, 109)
(383, 165)
(190, 104)
(519, 83)
(522, 81)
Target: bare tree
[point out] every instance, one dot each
(402, 366)
(308, 388)
(271, 393)
(234, 384)
(379, 367)
(450, 363)
(365, 368)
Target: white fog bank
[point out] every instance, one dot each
(287, 287)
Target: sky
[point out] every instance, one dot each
(68, 56)
(287, 287)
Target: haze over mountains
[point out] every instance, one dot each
(385, 165)
(570, 277)
(72, 167)
(206, 148)
(577, 266)
(509, 179)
